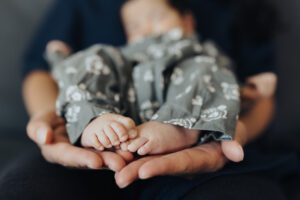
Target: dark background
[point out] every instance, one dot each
(19, 20)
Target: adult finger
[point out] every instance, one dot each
(72, 156)
(232, 150)
(204, 158)
(127, 156)
(112, 160)
(130, 172)
(40, 132)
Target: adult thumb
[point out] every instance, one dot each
(40, 132)
(232, 150)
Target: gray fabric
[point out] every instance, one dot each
(174, 80)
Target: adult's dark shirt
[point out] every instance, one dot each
(82, 23)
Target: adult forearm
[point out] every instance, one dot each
(39, 92)
(258, 119)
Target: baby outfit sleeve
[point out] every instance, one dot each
(89, 86)
(201, 95)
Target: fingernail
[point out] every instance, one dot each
(143, 175)
(121, 184)
(41, 135)
(116, 143)
(124, 138)
(132, 133)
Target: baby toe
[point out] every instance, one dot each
(124, 146)
(96, 143)
(112, 136)
(127, 122)
(120, 130)
(145, 149)
(104, 139)
(136, 144)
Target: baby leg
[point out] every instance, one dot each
(108, 130)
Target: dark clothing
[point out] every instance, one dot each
(82, 23)
(30, 177)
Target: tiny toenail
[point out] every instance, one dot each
(132, 133)
(124, 138)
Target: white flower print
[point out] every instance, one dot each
(117, 97)
(145, 105)
(82, 86)
(102, 113)
(207, 81)
(100, 95)
(211, 114)
(131, 95)
(154, 117)
(178, 47)
(175, 34)
(156, 51)
(72, 113)
(231, 91)
(147, 109)
(188, 89)
(148, 114)
(177, 76)
(73, 93)
(140, 57)
(197, 101)
(88, 96)
(205, 59)
(71, 70)
(148, 76)
(186, 123)
(94, 64)
(179, 96)
(162, 82)
(214, 68)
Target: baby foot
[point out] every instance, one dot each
(157, 138)
(108, 130)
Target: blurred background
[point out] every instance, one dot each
(19, 20)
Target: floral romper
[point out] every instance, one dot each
(169, 78)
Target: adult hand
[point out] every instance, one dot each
(49, 132)
(41, 127)
(203, 158)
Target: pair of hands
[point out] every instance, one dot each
(48, 131)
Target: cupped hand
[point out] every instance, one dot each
(49, 132)
(208, 157)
